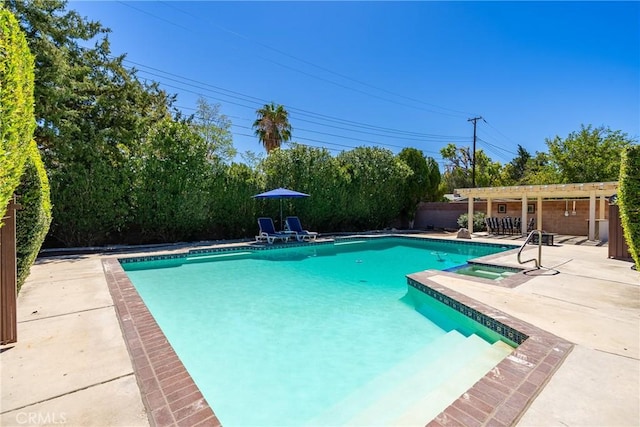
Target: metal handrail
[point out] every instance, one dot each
(538, 261)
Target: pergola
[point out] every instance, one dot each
(527, 193)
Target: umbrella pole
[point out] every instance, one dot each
(281, 225)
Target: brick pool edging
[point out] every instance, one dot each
(504, 393)
(168, 392)
(172, 398)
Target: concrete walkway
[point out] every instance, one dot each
(70, 365)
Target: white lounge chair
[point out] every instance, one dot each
(293, 224)
(268, 232)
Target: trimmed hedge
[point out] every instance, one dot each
(629, 200)
(17, 121)
(34, 218)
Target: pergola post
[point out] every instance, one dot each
(470, 216)
(523, 222)
(539, 214)
(592, 215)
(602, 206)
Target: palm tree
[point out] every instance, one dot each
(272, 126)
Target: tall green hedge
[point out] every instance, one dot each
(34, 218)
(17, 121)
(629, 199)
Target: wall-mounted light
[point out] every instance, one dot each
(566, 208)
(574, 208)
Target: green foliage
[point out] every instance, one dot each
(272, 126)
(232, 211)
(373, 190)
(417, 184)
(171, 183)
(478, 221)
(357, 190)
(309, 170)
(34, 218)
(16, 98)
(215, 130)
(589, 155)
(433, 193)
(92, 199)
(93, 115)
(629, 199)
(516, 169)
(459, 169)
(541, 170)
(122, 169)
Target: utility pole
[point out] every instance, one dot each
(473, 173)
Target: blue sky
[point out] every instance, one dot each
(392, 74)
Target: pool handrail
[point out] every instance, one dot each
(538, 261)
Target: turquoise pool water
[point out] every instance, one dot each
(281, 336)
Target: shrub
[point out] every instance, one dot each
(34, 218)
(171, 196)
(478, 221)
(17, 122)
(629, 200)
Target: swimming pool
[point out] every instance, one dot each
(294, 333)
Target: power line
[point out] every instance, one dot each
(235, 33)
(459, 113)
(497, 147)
(341, 124)
(247, 98)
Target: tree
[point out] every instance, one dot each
(540, 170)
(629, 200)
(458, 169)
(373, 186)
(417, 185)
(16, 100)
(272, 126)
(251, 158)
(92, 115)
(589, 155)
(313, 171)
(173, 172)
(433, 193)
(215, 130)
(516, 169)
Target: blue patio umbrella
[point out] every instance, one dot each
(280, 193)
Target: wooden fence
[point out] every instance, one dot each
(8, 276)
(618, 248)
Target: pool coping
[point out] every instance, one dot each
(169, 394)
(172, 398)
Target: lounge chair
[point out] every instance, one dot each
(531, 225)
(293, 225)
(268, 232)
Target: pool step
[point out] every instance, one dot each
(439, 373)
(423, 395)
(193, 258)
(428, 406)
(348, 407)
